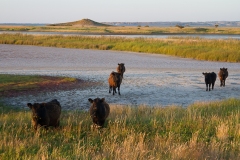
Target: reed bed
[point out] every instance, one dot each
(196, 48)
(200, 131)
(124, 29)
(9, 83)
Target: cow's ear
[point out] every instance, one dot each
(203, 73)
(103, 99)
(220, 68)
(30, 105)
(90, 100)
(226, 69)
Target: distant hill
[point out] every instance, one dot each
(83, 22)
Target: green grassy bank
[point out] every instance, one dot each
(23, 83)
(201, 49)
(124, 29)
(200, 131)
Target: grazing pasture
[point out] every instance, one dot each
(200, 131)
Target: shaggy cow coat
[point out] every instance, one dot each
(115, 79)
(99, 111)
(223, 74)
(210, 79)
(121, 68)
(45, 114)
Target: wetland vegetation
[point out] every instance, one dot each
(15, 84)
(200, 131)
(81, 28)
(225, 50)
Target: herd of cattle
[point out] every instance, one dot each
(48, 114)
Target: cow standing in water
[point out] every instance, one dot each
(210, 79)
(223, 74)
(115, 78)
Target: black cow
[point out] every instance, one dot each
(45, 114)
(99, 111)
(210, 79)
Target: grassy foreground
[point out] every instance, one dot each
(197, 48)
(201, 131)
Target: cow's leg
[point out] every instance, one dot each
(224, 83)
(119, 90)
(213, 85)
(110, 89)
(114, 90)
(206, 87)
(209, 87)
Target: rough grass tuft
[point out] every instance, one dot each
(200, 131)
(225, 50)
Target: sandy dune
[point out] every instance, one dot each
(149, 79)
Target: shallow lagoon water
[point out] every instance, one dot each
(150, 79)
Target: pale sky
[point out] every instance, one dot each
(59, 11)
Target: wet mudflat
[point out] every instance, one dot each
(150, 79)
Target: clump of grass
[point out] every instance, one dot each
(201, 49)
(10, 82)
(200, 131)
(124, 30)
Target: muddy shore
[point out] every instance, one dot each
(154, 80)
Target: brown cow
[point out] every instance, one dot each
(99, 111)
(115, 79)
(45, 114)
(121, 68)
(223, 74)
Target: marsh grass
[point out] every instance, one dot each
(227, 50)
(200, 131)
(124, 29)
(10, 82)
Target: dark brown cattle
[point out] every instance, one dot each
(121, 68)
(223, 74)
(210, 79)
(45, 114)
(99, 111)
(115, 79)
